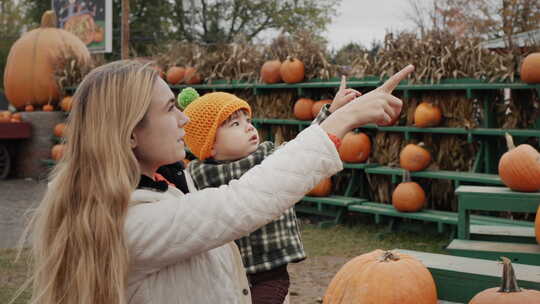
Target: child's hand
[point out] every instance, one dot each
(343, 95)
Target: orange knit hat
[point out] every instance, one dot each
(206, 114)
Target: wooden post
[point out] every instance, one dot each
(125, 29)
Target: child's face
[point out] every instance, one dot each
(236, 138)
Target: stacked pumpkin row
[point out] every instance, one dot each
(8, 117)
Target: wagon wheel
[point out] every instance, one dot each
(5, 162)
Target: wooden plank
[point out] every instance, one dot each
(498, 191)
(16, 130)
(517, 252)
(458, 279)
(441, 174)
(335, 200)
(516, 231)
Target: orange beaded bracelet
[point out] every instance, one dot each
(336, 140)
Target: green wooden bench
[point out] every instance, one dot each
(441, 218)
(334, 206)
(458, 279)
(517, 234)
(517, 252)
(483, 178)
(488, 198)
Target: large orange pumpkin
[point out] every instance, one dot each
(427, 115)
(192, 76)
(29, 73)
(382, 277)
(175, 74)
(355, 147)
(408, 195)
(519, 167)
(324, 188)
(509, 292)
(270, 71)
(292, 70)
(303, 109)
(530, 68)
(414, 157)
(318, 105)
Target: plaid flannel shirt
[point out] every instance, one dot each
(274, 244)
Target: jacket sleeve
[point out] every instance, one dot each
(171, 230)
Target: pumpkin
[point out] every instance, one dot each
(382, 277)
(292, 70)
(5, 116)
(17, 116)
(355, 147)
(519, 167)
(29, 73)
(408, 195)
(29, 108)
(57, 151)
(537, 225)
(175, 74)
(427, 115)
(318, 105)
(192, 76)
(14, 120)
(414, 157)
(270, 71)
(48, 108)
(59, 129)
(303, 109)
(509, 292)
(324, 188)
(66, 103)
(530, 68)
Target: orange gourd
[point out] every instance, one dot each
(292, 70)
(29, 108)
(175, 75)
(530, 68)
(30, 67)
(427, 115)
(14, 120)
(5, 116)
(355, 147)
(324, 188)
(57, 151)
(509, 292)
(519, 167)
(303, 109)
(192, 76)
(48, 108)
(270, 71)
(17, 116)
(408, 195)
(66, 103)
(382, 277)
(318, 105)
(414, 157)
(98, 34)
(59, 129)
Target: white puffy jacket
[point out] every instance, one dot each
(181, 246)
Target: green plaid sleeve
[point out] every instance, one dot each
(221, 173)
(323, 114)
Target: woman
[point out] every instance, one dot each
(107, 231)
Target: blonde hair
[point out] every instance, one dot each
(78, 245)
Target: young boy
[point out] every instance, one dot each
(220, 134)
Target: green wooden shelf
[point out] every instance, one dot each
(483, 178)
(411, 129)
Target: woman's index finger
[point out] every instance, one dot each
(394, 81)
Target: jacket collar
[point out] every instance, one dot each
(148, 183)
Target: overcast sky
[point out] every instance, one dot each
(365, 20)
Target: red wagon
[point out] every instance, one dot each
(10, 134)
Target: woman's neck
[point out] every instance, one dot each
(148, 170)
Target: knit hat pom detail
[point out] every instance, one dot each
(186, 97)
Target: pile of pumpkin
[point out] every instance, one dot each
(291, 70)
(57, 150)
(8, 117)
(396, 278)
(178, 75)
